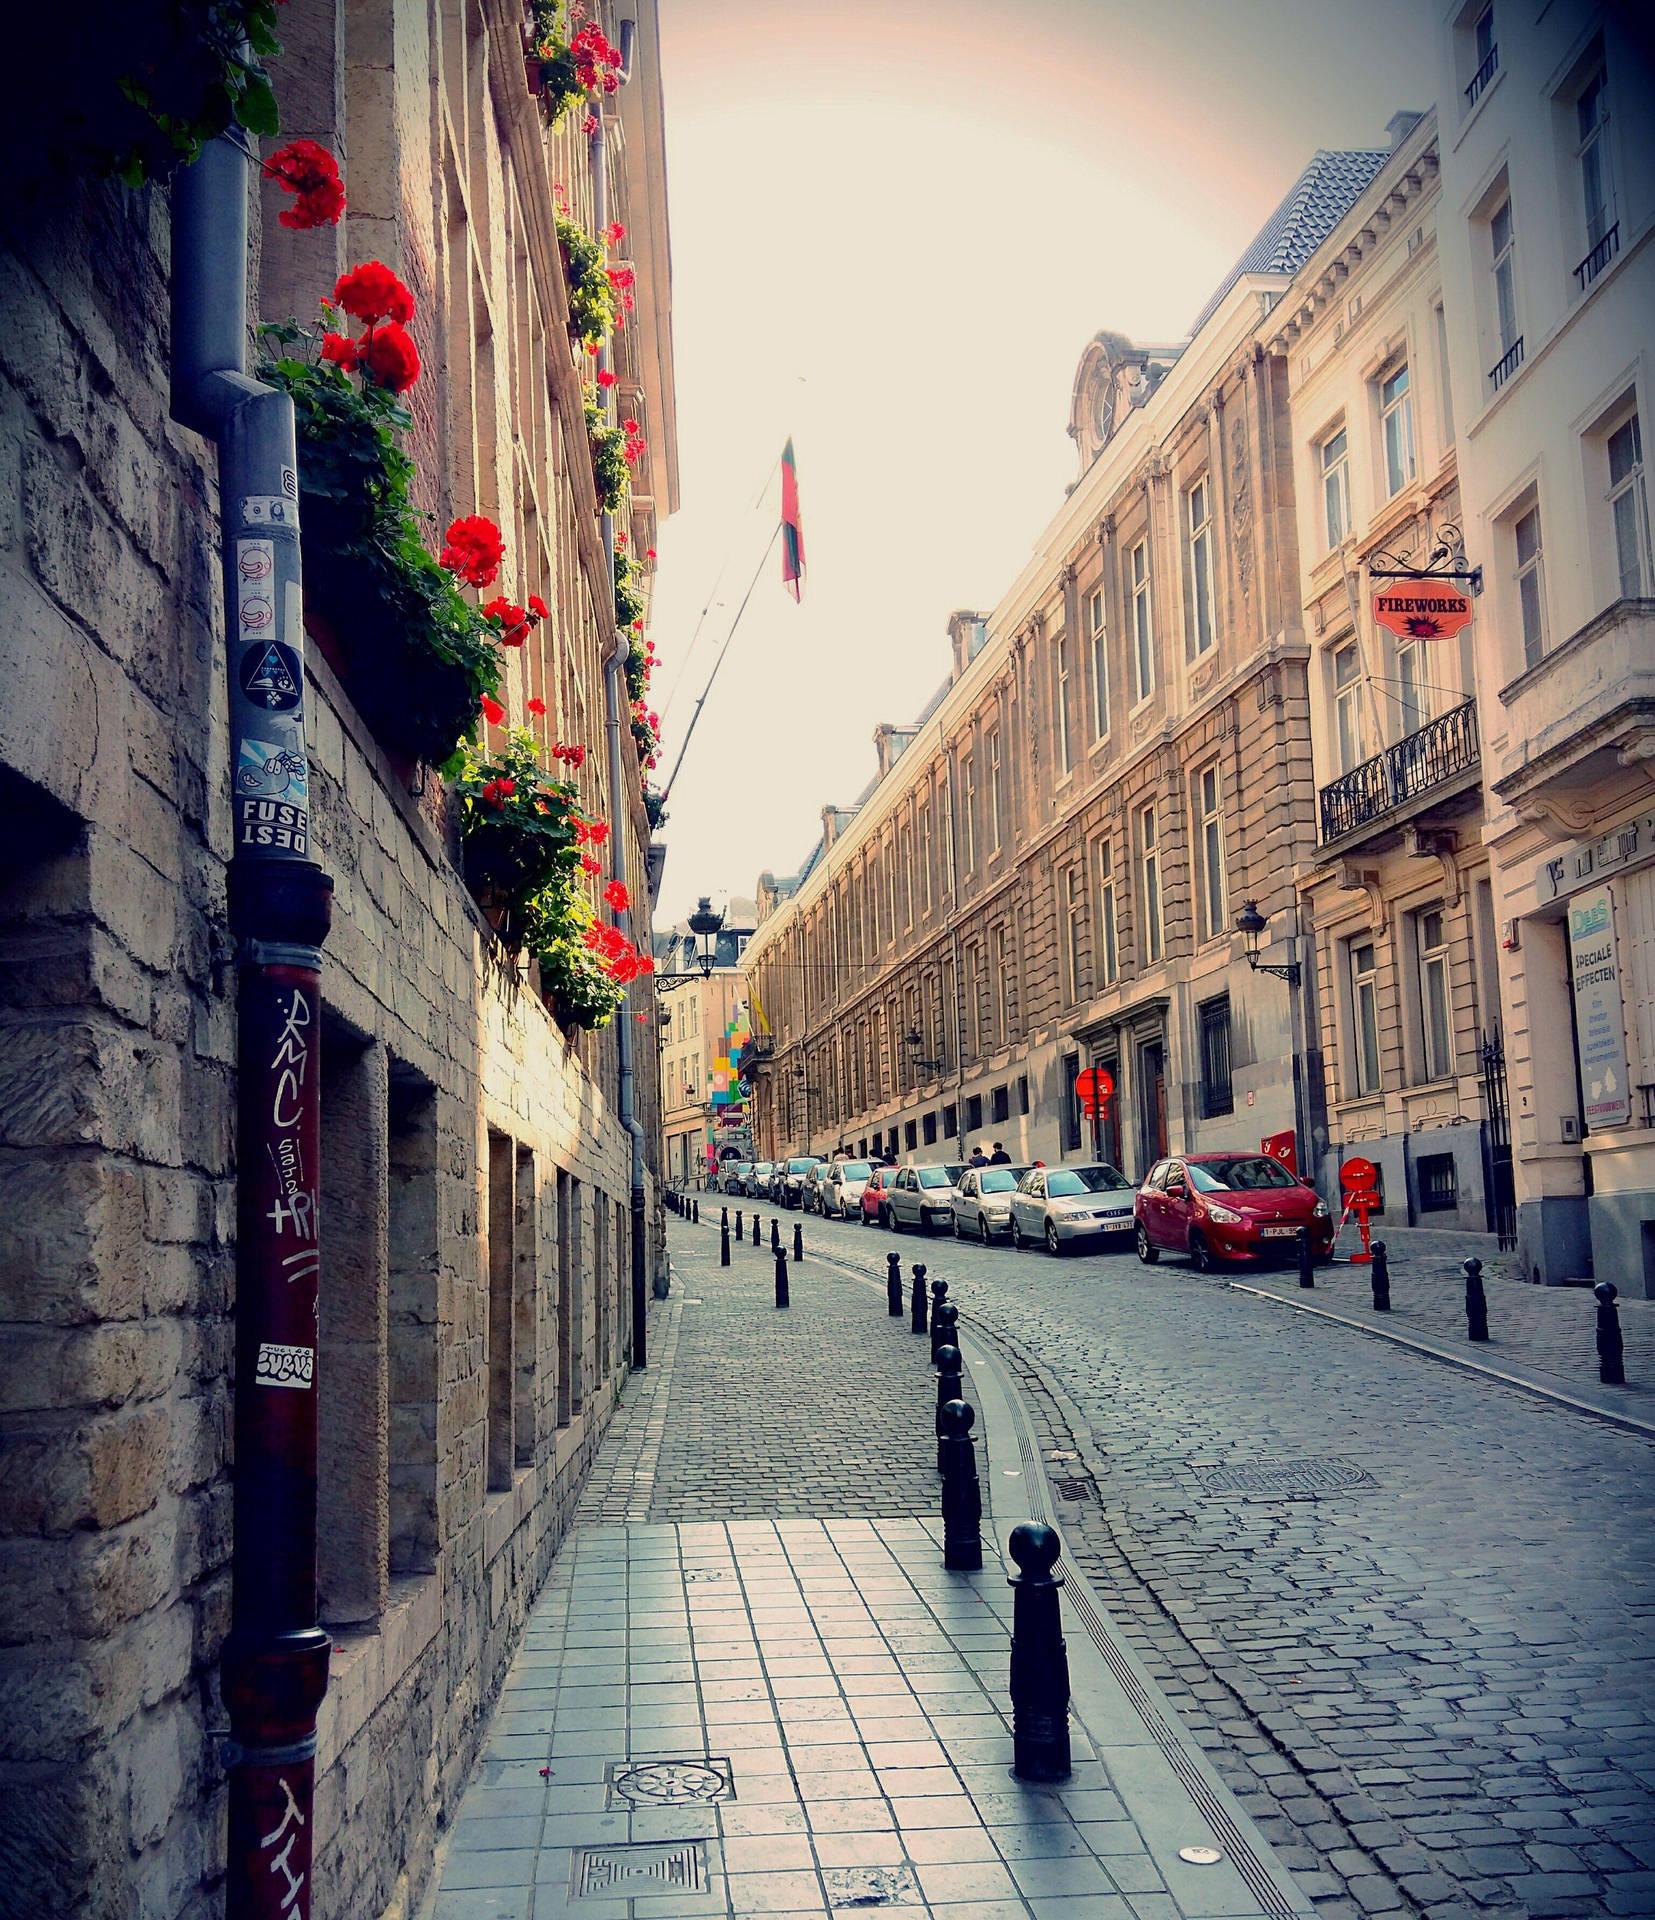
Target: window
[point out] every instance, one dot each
(1434, 1000)
(968, 822)
(925, 859)
(1347, 705)
(1109, 967)
(950, 1123)
(1445, 380)
(1143, 638)
(907, 839)
(910, 1135)
(1022, 1093)
(1065, 745)
(889, 860)
(1485, 57)
(1216, 1094)
(1597, 187)
(973, 1113)
(1209, 840)
(1071, 1103)
(928, 1128)
(1074, 910)
(1098, 632)
(1413, 673)
(1531, 583)
(996, 793)
(1396, 429)
(1002, 985)
(1199, 519)
(1438, 1183)
(1149, 873)
(1502, 243)
(1629, 510)
(1364, 995)
(999, 1105)
(1334, 454)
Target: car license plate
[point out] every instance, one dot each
(1279, 1233)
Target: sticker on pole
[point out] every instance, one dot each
(272, 678)
(285, 1366)
(272, 771)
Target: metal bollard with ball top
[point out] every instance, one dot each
(950, 1386)
(1039, 1659)
(918, 1322)
(1307, 1261)
(781, 1277)
(798, 1240)
(893, 1284)
(939, 1293)
(1381, 1278)
(962, 1498)
(724, 1244)
(945, 1328)
(1476, 1301)
(1611, 1348)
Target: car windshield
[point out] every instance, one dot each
(1099, 1179)
(854, 1169)
(998, 1179)
(953, 1168)
(801, 1166)
(1247, 1175)
(933, 1176)
(763, 1166)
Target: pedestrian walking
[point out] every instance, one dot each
(999, 1157)
(978, 1157)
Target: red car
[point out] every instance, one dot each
(876, 1197)
(1223, 1208)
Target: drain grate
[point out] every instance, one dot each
(1075, 1490)
(1329, 1475)
(625, 1873)
(694, 1781)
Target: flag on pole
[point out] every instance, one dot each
(793, 540)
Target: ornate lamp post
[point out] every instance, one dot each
(1250, 924)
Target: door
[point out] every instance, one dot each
(1176, 1217)
(1028, 1204)
(1152, 1102)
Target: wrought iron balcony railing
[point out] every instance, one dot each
(1478, 82)
(1507, 364)
(1418, 762)
(1599, 257)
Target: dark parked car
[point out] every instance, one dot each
(1226, 1209)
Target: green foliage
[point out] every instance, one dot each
(420, 655)
(637, 671)
(517, 826)
(560, 88)
(610, 473)
(655, 807)
(629, 600)
(594, 304)
(581, 993)
(136, 91)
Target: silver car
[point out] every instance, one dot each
(923, 1197)
(840, 1192)
(982, 1201)
(1060, 1205)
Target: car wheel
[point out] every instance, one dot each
(1146, 1253)
(1201, 1258)
(983, 1233)
(1054, 1246)
(1017, 1241)
(888, 1220)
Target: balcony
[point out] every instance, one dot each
(1506, 365)
(1477, 86)
(1599, 257)
(1436, 763)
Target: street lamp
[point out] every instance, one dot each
(1250, 924)
(706, 923)
(914, 1041)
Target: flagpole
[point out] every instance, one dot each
(775, 534)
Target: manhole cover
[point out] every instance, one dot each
(858, 1888)
(1282, 1476)
(622, 1873)
(1074, 1489)
(670, 1783)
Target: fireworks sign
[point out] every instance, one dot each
(1421, 609)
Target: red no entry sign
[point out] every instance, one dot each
(1096, 1087)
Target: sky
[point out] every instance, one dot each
(894, 229)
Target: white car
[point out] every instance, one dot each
(1060, 1205)
(982, 1202)
(923, 1197)
(839, 1193)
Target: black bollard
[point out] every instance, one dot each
(695, 1211)
(918, 1323)
(893, 1284)
(1611, 1349)
(738, 1225)
(1476, 1302)
(945, 1321)
(781, 1277)
(962, 1498)
(724, 1216)
(1039, 1659)
(939, 1293)
(1307, 1266)
(724, 1244)
(775, 1235)
(798, 1240)
(950, 1386)
(1381, 1278)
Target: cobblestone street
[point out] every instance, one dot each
(1405, 1607)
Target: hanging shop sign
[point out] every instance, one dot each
(1600, 1027)
(1421, 609)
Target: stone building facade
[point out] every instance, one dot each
(1046, 872)
(1548, 185)
(703, 1027)
(475, 1300)
(1398, 889)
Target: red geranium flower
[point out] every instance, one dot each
(606, 378)
(514, 619)
(473, 549)
(371, 293)
(614, 233)
(340, 349)
(617, 896)
(389, 355)
(537, 706)
(311, 174)
(493, 712)
(649, 553)
(538, 607)
(589, 865)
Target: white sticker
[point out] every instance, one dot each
(255, 559)
(285, 1366)
(268, 510)
(273, 771)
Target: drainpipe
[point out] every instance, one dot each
(615, 705)
(274, 1665)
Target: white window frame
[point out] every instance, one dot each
(1209, 840)
(1347, 706)
(1199, 537)
(1002, 985)
(968, 781)
(1413, 686)
(1109, 958)
(1396, 427)
(1628, 501)
(1593, 143)
(1529, 581)
(1502, 270)
(1364, 1015)
(1098, 624)
(996, 795)
(924, 818)
(1149, 875)
(1065, 738)
(1142, 621)
(1436, 995)
(1074, 910)
(1334, 472)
